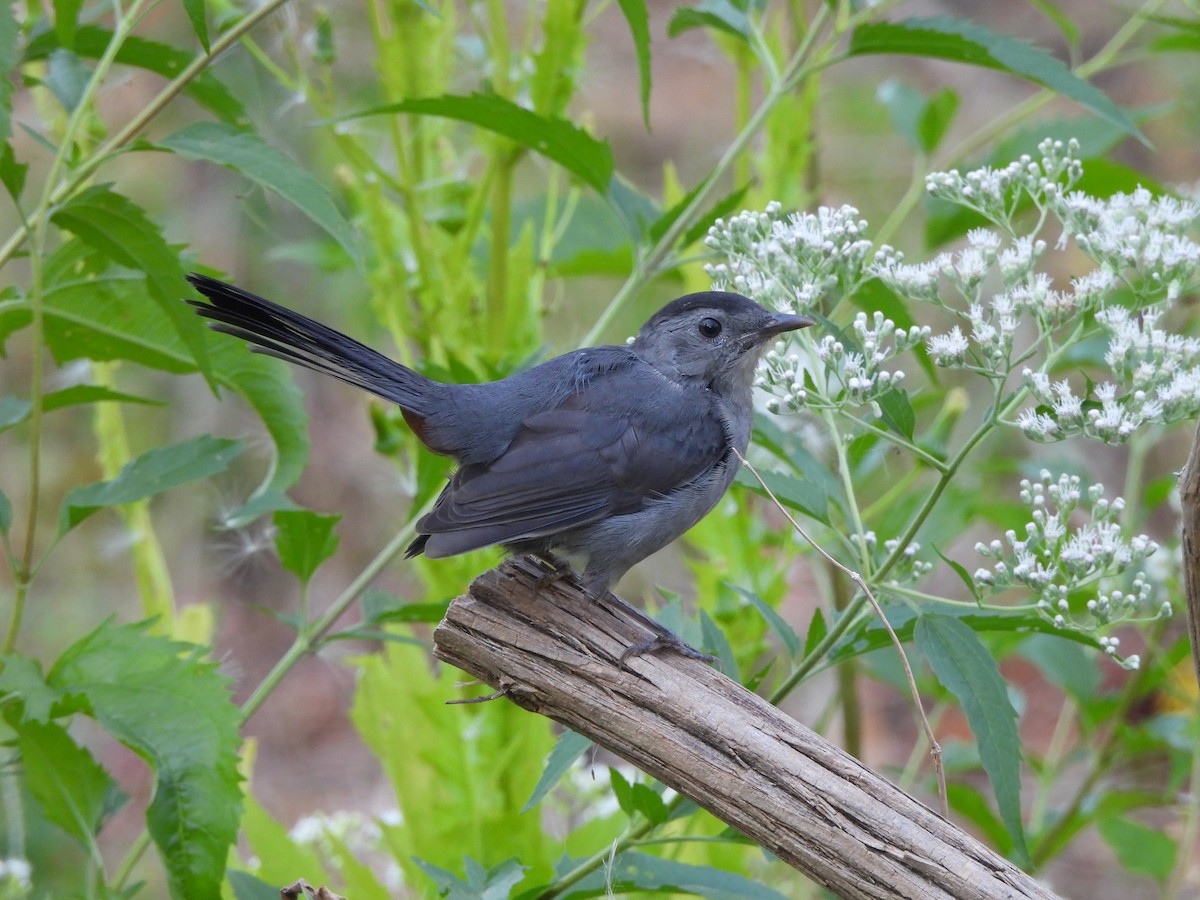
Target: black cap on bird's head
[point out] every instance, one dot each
(714, 336)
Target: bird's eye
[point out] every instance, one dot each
(709, 327)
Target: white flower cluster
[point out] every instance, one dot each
(855, 373)
(996, 193)
(1157, 381)
(908, 568)
(789, 261)
(1140, 235)
(1054, 560)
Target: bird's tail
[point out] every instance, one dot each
(277, 331)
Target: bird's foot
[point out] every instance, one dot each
(556, 570)
(664, 640)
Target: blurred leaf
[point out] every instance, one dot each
(379, 607)
(91, 393)
(118, 228)
(5, 513)
(800, 494)
(958, 40)
(636, 211)
(13, 411)
(12, 173)
(67, 77)
(969, 802)
(558, 140)
(73, 790)
(280, 858)
(1065, 664)
(163, 701)
(632, 871)
(304, 539)
(961, 572)
(897, 412)
(248, 887)
(965, 668)
(151, 473)
(782, 630)
(1140, 849)
(1061, 20)
(639, 27)
(817, 629)
(9, 30)
(251, 156)
(568, 748)
(904, 105)
(195, 14)
(715, 641)
(622, 790)
(66, 18)
(935, 119)
(718, 14)
(495, 883)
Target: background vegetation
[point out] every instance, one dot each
(213, 680)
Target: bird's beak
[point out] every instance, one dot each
(781, 322)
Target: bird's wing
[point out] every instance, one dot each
(622, 440)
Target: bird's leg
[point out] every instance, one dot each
(557, 570)
(664, 638)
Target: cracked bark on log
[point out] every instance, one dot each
(554, 651)
(1189, 496)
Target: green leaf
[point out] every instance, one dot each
(248, 887)
(22, 678)
(118, 228)
(968, 801)
(151, 473)
(935, 119)
(897, 412)
(304, 539)
(66, 18)
(13, 411)
(817, 629)
(782, 630)
(67, 77)
(172, 708)
(904, 105)
(12, 173)
(800, 494)
(965, 668)
(632, 871)
(588, 159)
(91, 393)
(195, 14)
(73, 790)
(714, 641)
(1061, 20)
(1065, 664)
(251, 156)
(622, 790)
(568, 748)
(961, 572)
(380, 607)
(92, 42)
(5, 513)
(966, 42)
(1140, 849)
(9, 30)
(720, 15)
(495, 883)
(638, 19)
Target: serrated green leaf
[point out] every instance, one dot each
(802, 494)
(965, 668)
(118, 228)
(304, 539)
(67, 77)
(9, 30)
(251, 156)
(163, 701)
(92, 42)
(195, 14)
(22, 679)
(632, 871)
(1140, 849)
(91, 393)
(639, 27)
(568, 748)
(718, 14)
(585, 157)
(73, 790)
(12, 173)
(151, 473)
(13, 411)
(957, 40)
(782, 630)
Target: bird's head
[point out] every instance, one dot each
(714, 337)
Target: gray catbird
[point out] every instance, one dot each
(605, 454)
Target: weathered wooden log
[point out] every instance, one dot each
(1189, 498)
(553, 650)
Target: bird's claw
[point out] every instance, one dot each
(665, 640)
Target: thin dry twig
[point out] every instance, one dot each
(935, 749)
(1189, 496)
